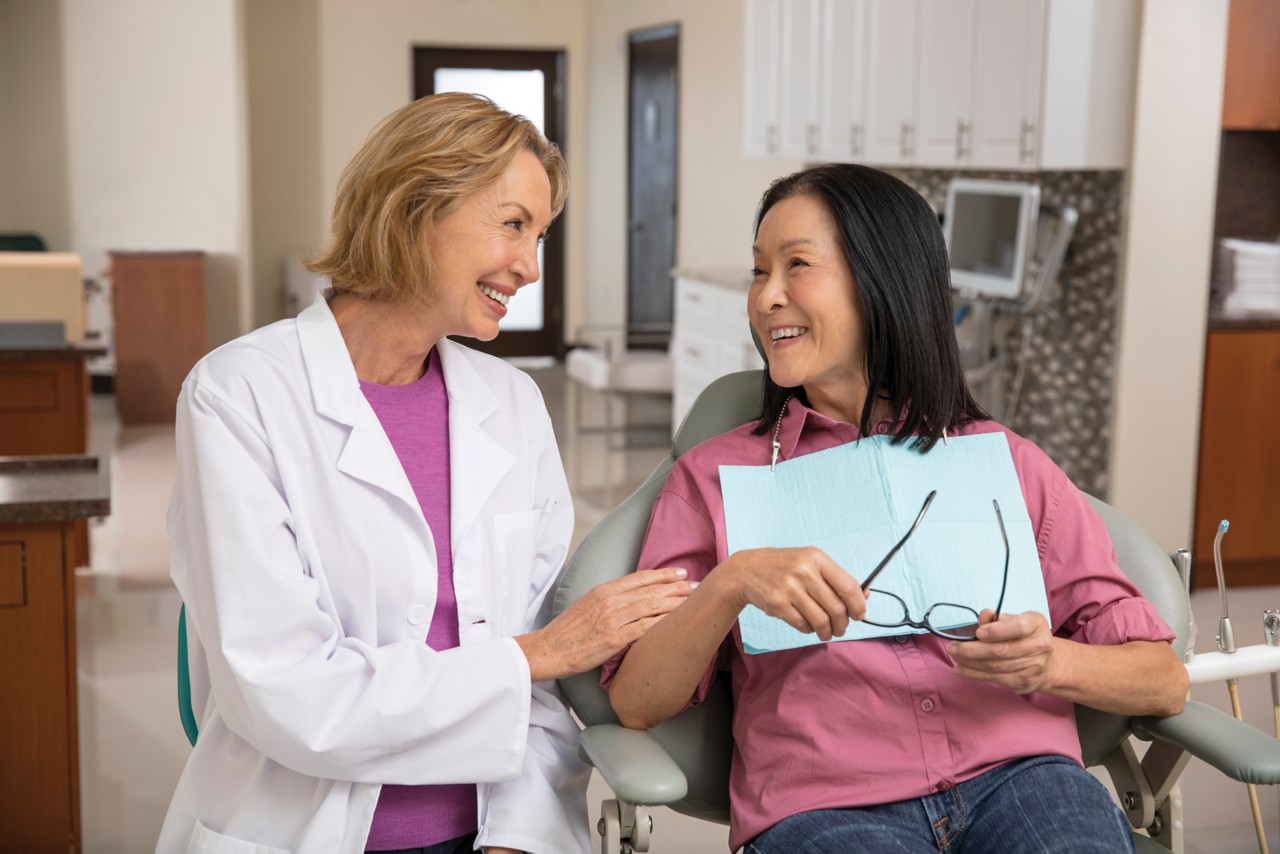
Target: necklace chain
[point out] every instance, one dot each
(777, 430)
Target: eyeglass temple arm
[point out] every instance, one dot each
(866, 585)
(1004, 583)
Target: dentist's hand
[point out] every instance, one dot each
(803, 587)
(602, 622)
(1016, 651)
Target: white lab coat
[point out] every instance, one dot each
(309, 576)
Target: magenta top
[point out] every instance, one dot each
(415, 418)
(867, 722)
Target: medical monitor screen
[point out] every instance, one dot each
(989, 226)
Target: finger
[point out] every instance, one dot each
(1009, 627)
(847, 588)
(837, 616)
(795, 619)
(816, 616)
(649, 577)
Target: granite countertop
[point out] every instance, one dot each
(64, 351)
(53, 488)
(725, 277)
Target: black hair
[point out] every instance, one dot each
(902, 278)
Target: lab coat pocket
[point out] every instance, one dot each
(206, 841)
(515, 540)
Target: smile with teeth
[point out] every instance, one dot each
(788, 332)
(492, 294)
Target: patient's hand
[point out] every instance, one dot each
(1016, 651)
(802, 586)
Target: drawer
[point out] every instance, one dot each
(698, 305)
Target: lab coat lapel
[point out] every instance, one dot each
(477, 462)
(367, 454)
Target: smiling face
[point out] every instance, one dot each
(486, 249)
(804, 307)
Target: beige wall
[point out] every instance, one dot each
(283, 70)
(365, 51)
(155, 134)
(33, 145)
(718, 188)
(1167, 248)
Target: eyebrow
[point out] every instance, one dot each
(522, 208)
(790, 244)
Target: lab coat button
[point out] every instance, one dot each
(417, 615)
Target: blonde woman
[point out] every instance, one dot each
(366, 522)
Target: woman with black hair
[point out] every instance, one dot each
(921, 741)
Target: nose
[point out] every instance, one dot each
(525, 265)
(771, 293)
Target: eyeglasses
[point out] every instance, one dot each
(944, 619)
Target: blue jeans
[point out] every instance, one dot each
(1042, 804)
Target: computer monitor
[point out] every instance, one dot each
(990, 228)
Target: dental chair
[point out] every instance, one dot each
(684, 762)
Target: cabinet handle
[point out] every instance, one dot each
(855, 139)
(962, 153)
(812, 139)
(1026, 141)
(771, 139)
(693, 297)
(693, 351)
(907, 140)
(902, 141)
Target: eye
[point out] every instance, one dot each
(756, 272)
(797, 262)
(517, 224)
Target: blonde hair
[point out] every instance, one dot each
(416, 167)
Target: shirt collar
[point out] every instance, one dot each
(801, 420)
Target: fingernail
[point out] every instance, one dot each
(693, 585)
(682, 572)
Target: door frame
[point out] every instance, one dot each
(642, 338)
(550, 340)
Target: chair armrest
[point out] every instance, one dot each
(1236, 749)
(633, 764)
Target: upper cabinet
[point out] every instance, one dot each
(1251, 93)
(992, 84)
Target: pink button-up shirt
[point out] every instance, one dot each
(868, 722)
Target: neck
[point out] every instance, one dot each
(846, 406)
(388, 342)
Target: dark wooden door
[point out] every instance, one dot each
(653, 133)
(529, 82)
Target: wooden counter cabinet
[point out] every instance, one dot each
(1239, 468)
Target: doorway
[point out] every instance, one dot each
(529, 83)
(652, 156)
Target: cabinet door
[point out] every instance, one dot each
(1008, 68)
(891, 81)
(943, 103)
(760, 77)
(798, 79)
(843, 80)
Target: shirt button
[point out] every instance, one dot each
(944, 786)
(417, 615)
(926, 704)
(902, 638)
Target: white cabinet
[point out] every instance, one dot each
(761, 74)
(994, 84)
(891, 70)
(842, 49)
(711, 336)
(944, 36)
(1008, 52)
(798, 83)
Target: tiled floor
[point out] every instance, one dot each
(132, 747)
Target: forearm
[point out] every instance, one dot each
(1136, 678)
(663, 668)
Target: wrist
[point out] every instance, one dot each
(536, 656)
(722, 586)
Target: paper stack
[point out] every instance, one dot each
(1248, 278)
